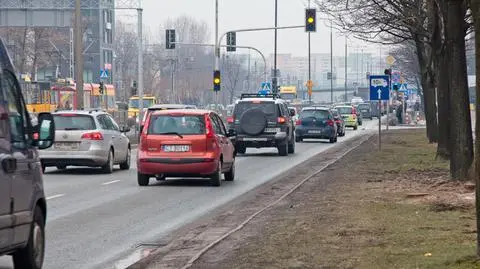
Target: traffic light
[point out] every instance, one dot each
(216, 80)
(231, 41)
(170, 39)
(134, 88)
(102, 88)
(310, 20)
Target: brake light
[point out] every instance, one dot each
(230, 119)
(298, 122)
(281, 120)
(330, 122)
(209, 127)
(93, 136)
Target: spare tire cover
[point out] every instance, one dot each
(253, 122)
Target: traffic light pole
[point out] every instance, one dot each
(309, 67)
(275, 80)
(224, 46)
(140, 66)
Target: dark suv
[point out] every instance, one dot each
(23, 208)
(262, 121)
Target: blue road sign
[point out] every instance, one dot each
(103, 73)
(379, 87)
(266, 86)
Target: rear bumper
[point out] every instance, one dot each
(325, 133)
(96, 157)
(177, 166)
(351, 123)
(261, 141)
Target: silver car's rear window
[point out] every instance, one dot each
(73, 122)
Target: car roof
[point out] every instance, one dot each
(169, 106)
(183, 111)
(344, 106)
(316, 108)
(80, 112)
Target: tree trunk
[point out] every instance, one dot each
(428, 87)
(475, 6)
(460, 125)
(440, 60)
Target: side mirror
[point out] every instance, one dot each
(292, 113)
(231, 133)
(124, 129)
(44, 135)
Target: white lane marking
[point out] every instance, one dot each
(111, 182)
(55, 196)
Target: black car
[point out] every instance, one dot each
(339, 121)
(262, 121)
(365, 109)
(316, 122)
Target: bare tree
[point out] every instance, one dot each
(234, 72)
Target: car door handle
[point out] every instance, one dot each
(9, 164)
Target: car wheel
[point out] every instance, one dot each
(32, 255)
(298, 139)
(160, 177)
(355, 127)
(230, 175)
(332, 139)
(283, 149)
(240, 149)
(61, 167)
(336, 139)
(108, 167)
(126, 164)
(143, 179)
(217, 176)
(43, 168)
(291, 147)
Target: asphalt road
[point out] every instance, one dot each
(95, 220)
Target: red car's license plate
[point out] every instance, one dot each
(176, 148)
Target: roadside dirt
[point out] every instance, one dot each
(176, 250)
(393, 209)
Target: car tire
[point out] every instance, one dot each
(230, 175)
(240, 149)
(126, 164)
(217, 176)
(43, 168)
(61, 167)
(160, 177)
(291, 147)
(298, 139)
(32, 255)
(143, 179)
(355, 127)
(283, 149)
(108, 167)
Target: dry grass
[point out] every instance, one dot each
(357, 215)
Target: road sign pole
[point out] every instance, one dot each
(379, 126)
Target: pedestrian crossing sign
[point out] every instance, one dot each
(103, 73)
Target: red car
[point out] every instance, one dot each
(185, 143)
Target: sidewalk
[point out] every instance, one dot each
(389, 209)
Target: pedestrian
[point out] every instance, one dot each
(399, 113)
(417, 106)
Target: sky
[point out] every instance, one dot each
(238, 14)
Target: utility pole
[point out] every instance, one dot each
(140, 63)
(78, 55)
(248, 76)
(275, 80)
(174, 63)
(217, 48)
(309, 62)
(346, 67)
(331, 62)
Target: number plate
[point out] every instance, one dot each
(314, 132)
(176, 148)
(364, 110)
(272, 130)
(66, 146)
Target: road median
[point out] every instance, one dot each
(184, 244)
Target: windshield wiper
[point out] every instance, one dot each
(172, 133)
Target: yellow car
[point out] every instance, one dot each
(349, 116)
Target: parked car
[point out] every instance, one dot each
(316, 122)
(23, 206)
(262, 121)
(87, 138)
(339, 121)
(185, 143)
(349, 115)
